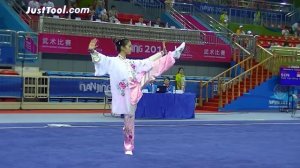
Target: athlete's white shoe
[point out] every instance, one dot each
(128, 153)
(177, 52)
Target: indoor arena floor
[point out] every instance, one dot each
(93, 140)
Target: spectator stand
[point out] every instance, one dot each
(268, 41)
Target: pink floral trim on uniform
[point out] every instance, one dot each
(122, 86)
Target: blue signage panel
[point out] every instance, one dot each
(74, 87)
(290, 76)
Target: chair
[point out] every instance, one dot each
(108, 98)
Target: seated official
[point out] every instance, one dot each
(151, 87)
(169, 87)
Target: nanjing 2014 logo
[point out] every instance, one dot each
(280, 92)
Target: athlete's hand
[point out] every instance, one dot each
(164, 47)
(93, 44)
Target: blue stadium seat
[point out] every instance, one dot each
(88, 75)
(54, 100)
(52, 73)
(76, 74)
(67, 100)
(65, 73)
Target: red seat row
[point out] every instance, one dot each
(8, 72)
(8, 99)
(125, 18)
(266, 41)
(279, 38)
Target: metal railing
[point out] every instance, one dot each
(247, 42)
(291, 55)
(186, 23)
(151, 7)
(195, 10)
(214, 25)
(246, 16)
(26, 51)
(270, 64)
(23, 15)
(24, 45)
(272, 13)
(290, 17)
(184, 7)
(253, 4)
(241, 15)
(243, 82)
(244, 60)
(212, 22)
(149, 3)
(267, 5)
(211, 37)
(111, 30)
(242, 65)
(205, 35)
(7, 39)
(256, 69)
(220, 33)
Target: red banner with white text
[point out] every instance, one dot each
(69, 44)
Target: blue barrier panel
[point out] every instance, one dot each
(211, 9)
(81, 87)
(11, 86)
(267, 96)
(239, 12)
(78, 87)
(7, 55)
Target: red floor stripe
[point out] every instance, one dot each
(205, 111)
(52, 111)
(72, 111)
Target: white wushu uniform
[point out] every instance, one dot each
(123, 73)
